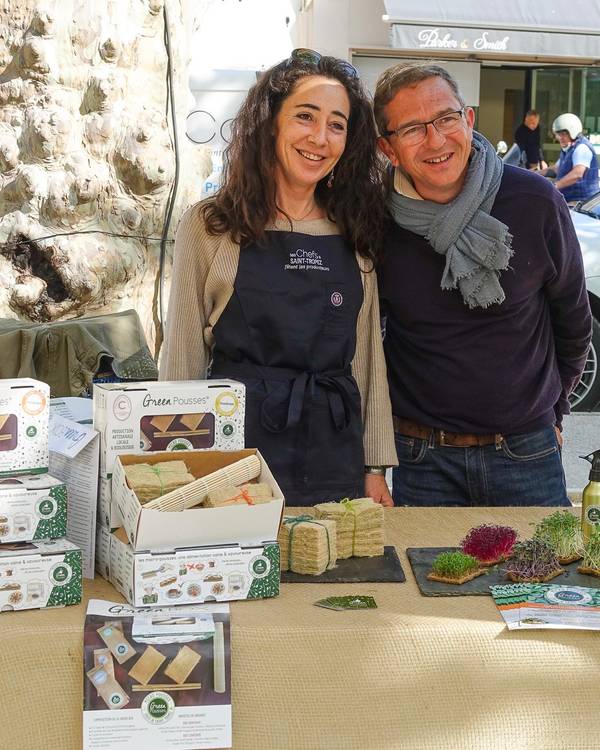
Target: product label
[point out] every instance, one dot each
(23, 426)
(203, 415)
(592, 514)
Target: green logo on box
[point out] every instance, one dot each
(260, 566)
(61, 574)
(31, 431)
(157, 708)
(46, 508)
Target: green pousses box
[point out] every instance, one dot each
(34, 575)
(190, 575)
(32, 507)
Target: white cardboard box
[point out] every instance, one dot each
(39, 574)
(134, 417)
(32, 506)
(149, 529)
(23, 426)
(190, 575)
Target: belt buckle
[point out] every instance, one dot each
(442, 437)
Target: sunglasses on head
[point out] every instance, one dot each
(306, 56)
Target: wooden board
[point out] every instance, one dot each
(383, 569)
(421, 558)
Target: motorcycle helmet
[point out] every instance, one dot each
(569, 122)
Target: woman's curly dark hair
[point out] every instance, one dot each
(245, 203)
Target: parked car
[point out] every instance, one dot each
(586, 218)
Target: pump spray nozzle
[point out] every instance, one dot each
(594, 459)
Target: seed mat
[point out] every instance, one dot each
(421, 559)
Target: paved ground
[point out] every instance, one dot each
(581, 431)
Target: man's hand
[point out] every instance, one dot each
(559, 436)
(376, 487)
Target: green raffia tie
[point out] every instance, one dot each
(350, 506)
(292, 522)
(157, 473)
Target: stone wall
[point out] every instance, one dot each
(87, 158)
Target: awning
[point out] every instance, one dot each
(528, 28)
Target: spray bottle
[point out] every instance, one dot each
(590, 500)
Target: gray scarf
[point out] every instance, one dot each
(477, 246)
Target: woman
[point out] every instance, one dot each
(273, 280)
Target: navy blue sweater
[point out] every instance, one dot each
(508, 368)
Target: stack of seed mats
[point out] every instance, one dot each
(359, 526)
(251, 493)
(308, 546)
(195, 493)
(150, 481)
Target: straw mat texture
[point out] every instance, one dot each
(418, 673)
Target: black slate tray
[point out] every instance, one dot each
(383, 569)
(421, 558)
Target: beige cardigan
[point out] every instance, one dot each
(204, 271)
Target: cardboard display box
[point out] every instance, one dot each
(23, 426)
(149, 529)
(32, 507)
(189, 575)
(39, 574)
(156, 679)
(168, 416)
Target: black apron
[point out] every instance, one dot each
(289, 334)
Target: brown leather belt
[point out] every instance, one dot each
(442, 437)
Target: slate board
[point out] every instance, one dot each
(421, 558)
(385, 568)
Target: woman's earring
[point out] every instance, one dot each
(330, 179)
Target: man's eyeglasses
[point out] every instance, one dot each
(306, 56)
(411, 135)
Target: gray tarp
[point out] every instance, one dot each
(567, 15)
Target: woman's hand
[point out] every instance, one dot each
(376, 488)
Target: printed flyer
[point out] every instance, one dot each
(156, 679)
(538, 605)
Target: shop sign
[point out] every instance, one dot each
(494, 41)
(442, 39)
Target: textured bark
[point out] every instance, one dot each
(85, 145)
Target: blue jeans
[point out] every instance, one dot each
(523, 470)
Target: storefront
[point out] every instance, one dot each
(508, 58)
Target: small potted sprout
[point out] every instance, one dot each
(562, 530)
(591, 555)
(454, 567)
(489, 544)
(533, 561)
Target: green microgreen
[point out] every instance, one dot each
(454, 565)
(591, 551)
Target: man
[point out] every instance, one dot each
(527, 138)
(483, 292)
(576, 170)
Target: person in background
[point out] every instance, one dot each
(487, 320)
(528, 139)
(576, 170)
(273, 282)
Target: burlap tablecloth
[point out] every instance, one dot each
(416, 673)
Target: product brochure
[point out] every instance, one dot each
(156, 679)
(536, 605)
(74, 450)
